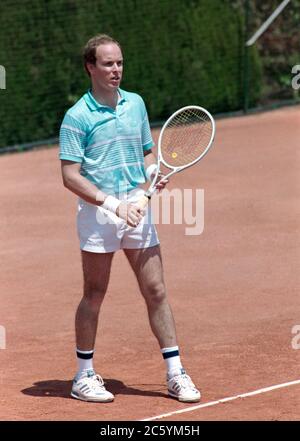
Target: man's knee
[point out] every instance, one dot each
(94, 293)
(155, 293)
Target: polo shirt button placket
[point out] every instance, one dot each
(118, 125)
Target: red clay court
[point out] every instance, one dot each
(234, 289)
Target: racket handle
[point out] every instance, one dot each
(143, 202)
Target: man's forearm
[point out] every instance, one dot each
(85, 189)
(149, 159)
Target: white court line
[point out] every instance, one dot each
(223, 400)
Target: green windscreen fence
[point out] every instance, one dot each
(176, 52)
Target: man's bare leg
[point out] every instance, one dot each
(88, 386)
(147, 266)
(96, 271)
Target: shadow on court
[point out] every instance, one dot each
(62, 389)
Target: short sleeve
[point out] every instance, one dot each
(147, 140)
(72, 139)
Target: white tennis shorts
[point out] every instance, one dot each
(101, 231)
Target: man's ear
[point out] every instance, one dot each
(90, 67)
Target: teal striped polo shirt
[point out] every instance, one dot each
(108, 143)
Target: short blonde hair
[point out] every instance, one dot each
(89, 50)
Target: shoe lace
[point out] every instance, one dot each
(184, 381)
(96, 382)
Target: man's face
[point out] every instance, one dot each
(107, 72)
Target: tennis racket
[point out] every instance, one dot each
(185, 138)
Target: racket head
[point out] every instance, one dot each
(186, 137)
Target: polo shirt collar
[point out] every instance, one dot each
(94, 105)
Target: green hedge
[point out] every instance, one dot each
(177, 52)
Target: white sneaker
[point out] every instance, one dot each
(180, 386)
(90, 387)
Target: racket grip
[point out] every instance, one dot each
(143, 202)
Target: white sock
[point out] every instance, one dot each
(172, 360)
(85, 361)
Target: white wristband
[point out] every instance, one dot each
(111, 204)
(150, 170)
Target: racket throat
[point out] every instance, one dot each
(145, 199)
(148, 195)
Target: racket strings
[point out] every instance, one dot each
(186, 137)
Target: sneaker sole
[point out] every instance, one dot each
(185, 400)
(94, 400)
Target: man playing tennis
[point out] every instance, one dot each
(105, 153)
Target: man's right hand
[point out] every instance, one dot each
(131, 214)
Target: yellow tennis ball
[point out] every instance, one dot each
(174, 155)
